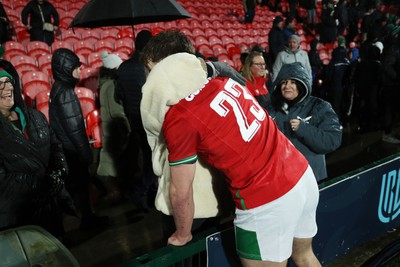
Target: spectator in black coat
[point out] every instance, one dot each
(276, 38)
(328, 31)
(39, 12)
(128, 91)
(32, 163)
(315, 60)
(67, 121)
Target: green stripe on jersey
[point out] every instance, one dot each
(247, 244)
(189, 160)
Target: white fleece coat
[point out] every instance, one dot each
(171, 80)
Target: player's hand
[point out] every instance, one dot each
(177, 240)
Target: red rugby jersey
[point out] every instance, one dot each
(226, 126)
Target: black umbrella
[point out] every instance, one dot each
(99, 13)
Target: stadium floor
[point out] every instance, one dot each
(132, 233)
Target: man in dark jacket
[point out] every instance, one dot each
(67, 120)
(131, 77)
(276, 38)
(309, 122)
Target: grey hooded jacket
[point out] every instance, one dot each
(319, 132)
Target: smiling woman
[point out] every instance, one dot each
(309, 122)
(32, 163)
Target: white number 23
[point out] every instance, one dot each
(229, 98)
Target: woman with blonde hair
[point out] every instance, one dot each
(256, 74)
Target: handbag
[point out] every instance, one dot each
(47, 26)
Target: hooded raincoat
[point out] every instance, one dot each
(27, 158)
(319, 132)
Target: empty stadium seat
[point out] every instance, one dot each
(93, 128)
(102, 45)
(83, 47)
(31, 90)
(69, 35)
(109, 34)
(35, 77)
(37, 48)
(125, 33)
(62, 44)
(89, 78)
(91, 35)
(86, 99)
(44, 64)
(24, 63)
(42, 98)
(23, 37)
(13, 48)
(94, 60)
(124, 45)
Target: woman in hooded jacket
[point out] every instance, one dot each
(32, 163)
(308, 122)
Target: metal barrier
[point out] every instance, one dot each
(369, 194)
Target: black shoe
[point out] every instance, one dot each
(93, 221)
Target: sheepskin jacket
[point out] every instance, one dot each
(171, 80)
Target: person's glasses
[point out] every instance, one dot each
(259, 64)
(8, 81)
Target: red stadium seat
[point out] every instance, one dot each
(44, 63)
(110, 34)
(35, 77)
(24, 63)
(87, 99)
(42, 98)
(14, 48)
(83, 47)
(93, 128)
(62, 44)
(69, 35)
(23, 37)
(125, 33)
(37, 48)
(89, 79)
(90, 35)
(94, 60)
(102, 45)
(124, 45)
(31, 90)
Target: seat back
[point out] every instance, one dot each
(93, 128)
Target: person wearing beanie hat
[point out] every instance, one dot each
(313, 131)
(292, 53)
(115, 128)
(33, 163)
(110, 61)
(379, 45)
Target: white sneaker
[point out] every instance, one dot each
(390, 139)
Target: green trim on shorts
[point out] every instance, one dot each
(247, 244)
